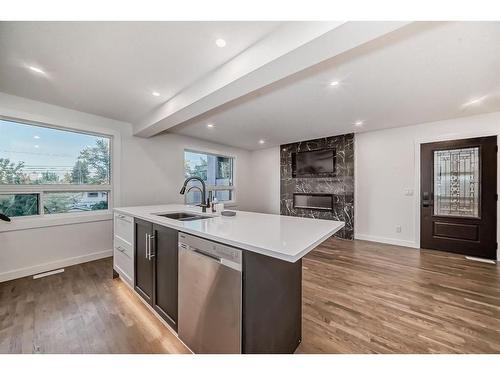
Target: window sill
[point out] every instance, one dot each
(24, 223)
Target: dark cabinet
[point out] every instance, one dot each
(156, 265)
(165, 273)
(143, 280)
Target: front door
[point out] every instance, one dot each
(459, 196)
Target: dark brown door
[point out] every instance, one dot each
(459, 196)
(143, 283)
(165, 250)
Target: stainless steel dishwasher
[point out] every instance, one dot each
(209, 295)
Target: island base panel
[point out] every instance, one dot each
(272, 304)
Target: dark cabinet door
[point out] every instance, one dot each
(165, 251)
(143, 279)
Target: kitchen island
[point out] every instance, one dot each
(225, 284)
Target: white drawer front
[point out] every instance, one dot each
(123, 247)
(123, 263)
(124, 228)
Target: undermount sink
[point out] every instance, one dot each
(183, 216)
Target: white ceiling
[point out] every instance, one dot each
(111, 68)
(421, 73)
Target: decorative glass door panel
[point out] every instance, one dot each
(456, 182)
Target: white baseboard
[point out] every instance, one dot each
(33, 270)
(390, 241)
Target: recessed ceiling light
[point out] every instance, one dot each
(474, 101)
(358, 123)
(220, 43)
(262, 141)
(334, 83)
(155, 93)
(35, 69)
(36, 137)
(36, 146)
(210, 126)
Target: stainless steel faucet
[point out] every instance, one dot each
(203, 204)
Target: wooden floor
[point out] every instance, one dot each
(82, 310)
(358, 297)
(364, 297)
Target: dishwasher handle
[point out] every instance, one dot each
(202, 253)
(199, 252)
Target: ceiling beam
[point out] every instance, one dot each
(290, 49)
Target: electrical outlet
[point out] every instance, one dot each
(398, 228)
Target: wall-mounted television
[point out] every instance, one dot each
(316, 163)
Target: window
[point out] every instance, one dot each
(76, 201)
(456, 182)
(46, 171)
(217, 172)
(19, 204)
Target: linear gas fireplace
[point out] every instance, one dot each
(314, 201)
(317, 180)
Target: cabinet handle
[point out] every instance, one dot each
(151, 254)
(147, 246)
(120, 249)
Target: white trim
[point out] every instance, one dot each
(447, 137)
(32, 222)
(57, 188)
(390, 241)
(33, 270)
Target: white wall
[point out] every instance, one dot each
(386, 163)
(153, 168)
(146, 171)
(265, 176)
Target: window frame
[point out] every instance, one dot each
(215, 187)
(34, 221)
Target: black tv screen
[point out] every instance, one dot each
(314, 163)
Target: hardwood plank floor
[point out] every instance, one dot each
(365, 297)
(82, 310)
(358, 297)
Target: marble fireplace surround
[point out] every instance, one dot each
(340, 186)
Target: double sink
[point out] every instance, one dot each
(183, 216)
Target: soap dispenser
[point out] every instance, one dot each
(215, 205)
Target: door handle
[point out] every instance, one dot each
(425, 199)
(151, 253)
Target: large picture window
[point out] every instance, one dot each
(215, 170)
(46, 171)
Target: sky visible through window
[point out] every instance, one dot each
(43, 149)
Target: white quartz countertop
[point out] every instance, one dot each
(283, 237)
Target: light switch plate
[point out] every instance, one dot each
(409, 192)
